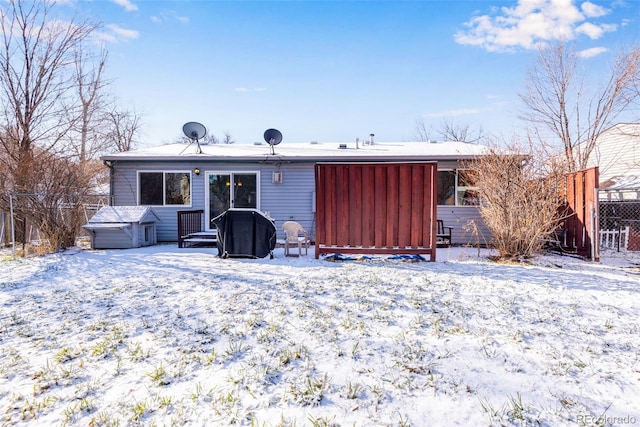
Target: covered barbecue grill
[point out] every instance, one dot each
(245, 233)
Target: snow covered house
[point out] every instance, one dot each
(278, 180)
(617, 155)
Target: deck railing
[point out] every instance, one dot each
(189, 222)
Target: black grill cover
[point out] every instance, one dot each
(245, 233)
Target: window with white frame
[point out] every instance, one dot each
(164, 188)
(456, 188)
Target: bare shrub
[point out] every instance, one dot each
(518, 199)
(56, 205)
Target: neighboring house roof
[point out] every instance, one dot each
(123, 215)
(623, 182)
(306, 152)
(617, 155)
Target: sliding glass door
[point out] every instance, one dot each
(230, 190)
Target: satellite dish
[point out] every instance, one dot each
(195, 131)
(273, 137)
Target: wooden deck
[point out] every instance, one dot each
(191, 231)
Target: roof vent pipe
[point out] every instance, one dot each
(357, 143)
(371, 138)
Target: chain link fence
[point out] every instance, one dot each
(620, 219)
(19, 226)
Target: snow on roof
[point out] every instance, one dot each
(123, 214)
(623, 182)
(326, 151)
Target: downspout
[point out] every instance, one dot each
(109, 164)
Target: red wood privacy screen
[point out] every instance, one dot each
(376, 208)
(581, 226)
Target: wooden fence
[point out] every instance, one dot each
(376, 208)
(581, 226)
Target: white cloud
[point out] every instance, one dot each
(101, 36)
(122, 33)
(593, 10)
(590, 53)
(532, 22)
(595, 31)
(169, 15)
(126, 4)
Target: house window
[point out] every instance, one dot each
(446, 187)
(164, 188)
(466, 191)
(455, 188)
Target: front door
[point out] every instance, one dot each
(230, 190)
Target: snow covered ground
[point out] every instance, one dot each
(168, 336)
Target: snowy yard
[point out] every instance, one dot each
(167, 336)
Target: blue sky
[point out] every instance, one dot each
(339, 70)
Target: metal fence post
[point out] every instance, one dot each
(13, 227)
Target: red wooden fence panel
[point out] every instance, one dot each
(581, 226)
(376, 208)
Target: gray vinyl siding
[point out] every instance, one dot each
(117, 238)
(125, 187)
(293, 199)
(111, 239)
(465, 220)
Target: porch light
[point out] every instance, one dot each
(196, 171)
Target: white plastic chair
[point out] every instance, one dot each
(295, 236)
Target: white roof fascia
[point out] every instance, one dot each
(320, 152)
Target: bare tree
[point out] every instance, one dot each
(561, 108)
(450, 131)
(228, 139)
(41, 105)
(36, 80)
(122, 128)
(90, 84)
(422, 132)
(211, 139)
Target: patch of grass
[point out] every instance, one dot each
(352, 390)
(104, 419)
(235, 349)
(138, 410)
(311, 391)
(159, 375)
(136, 353)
